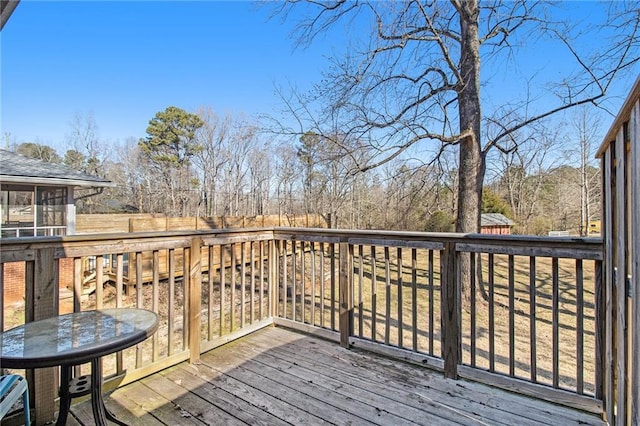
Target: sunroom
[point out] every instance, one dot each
(38, 198)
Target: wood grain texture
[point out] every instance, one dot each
(276, 376)
(620, 236)
(450, 314)
(44, 273)
(609, 320)
(634, 133)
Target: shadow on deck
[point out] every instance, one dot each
(276, 376)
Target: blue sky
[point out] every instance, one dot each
(125, 61)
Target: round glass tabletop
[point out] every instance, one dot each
(75, 338)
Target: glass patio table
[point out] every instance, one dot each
(74, 339)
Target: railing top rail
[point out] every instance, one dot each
(79, 245)
(349, 235)
(345, 233)
(21, 249)
(78, 238)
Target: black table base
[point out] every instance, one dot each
(74, 388)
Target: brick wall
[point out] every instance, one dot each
(14, 290)
(13, 282)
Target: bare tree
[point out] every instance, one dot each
(260, 172)
(134, 179)
(233, 166)
(417, 78)
(326, 179)
(521, 171)
(85, 144)
(287, 170)
(586, 126)
(212, 136)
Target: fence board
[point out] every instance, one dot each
(181, 224)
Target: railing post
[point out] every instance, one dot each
(345, 295)
(41, 284)
(195, 298)
(450, 310)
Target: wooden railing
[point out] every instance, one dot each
(529, 318)
(620, 166)
(199, 309)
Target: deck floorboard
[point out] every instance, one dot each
(276, 376)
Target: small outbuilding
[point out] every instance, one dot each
(495, 223)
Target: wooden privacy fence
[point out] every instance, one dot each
(110, 223)
(530, 319)
(154, 222)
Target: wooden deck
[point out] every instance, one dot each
(276, 376)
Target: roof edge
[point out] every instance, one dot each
(56, 181)
(8, 6)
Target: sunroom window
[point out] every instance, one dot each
(27, 213)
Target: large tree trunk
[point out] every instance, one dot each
(472, 164)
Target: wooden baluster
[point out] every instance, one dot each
(450, 312)
(155, 304)
(532, 319)
(195, 298)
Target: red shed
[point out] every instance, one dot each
(495, 223)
